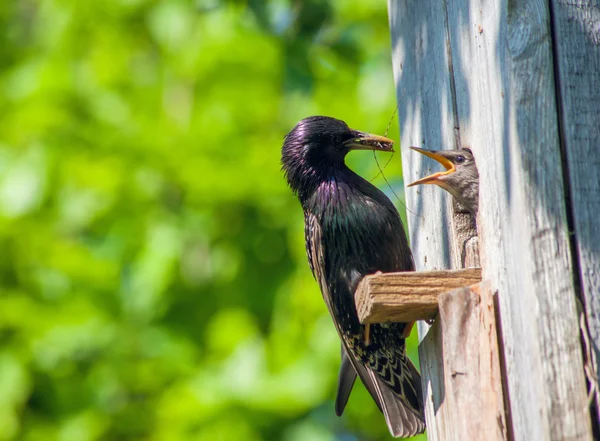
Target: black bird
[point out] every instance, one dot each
(352, 229)
(461, 178)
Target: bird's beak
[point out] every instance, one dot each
(439, 157)
(367, 141)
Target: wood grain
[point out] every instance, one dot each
(462, 378)
(576, 40)
(425, 92)
(482, 74)
(523, 224)
(422, 86)
(407, 296)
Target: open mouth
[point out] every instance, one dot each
(435, 177)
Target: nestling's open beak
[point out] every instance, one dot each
(439, 157)
(367, 141)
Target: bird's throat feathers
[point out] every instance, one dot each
(334, 194)
(307, 179)
(346, 198)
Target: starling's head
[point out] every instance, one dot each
(318, 144)
(461, 178)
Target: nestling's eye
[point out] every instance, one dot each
(337, 139)
(459, 159)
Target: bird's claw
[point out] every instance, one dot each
(367, 335)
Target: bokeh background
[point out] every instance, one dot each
(154, 284)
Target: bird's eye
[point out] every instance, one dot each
(337, 139)
(460, 159)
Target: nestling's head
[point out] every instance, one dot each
(317, 145)
(461, 178)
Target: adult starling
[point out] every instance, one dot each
(461, 178)
(352, 229)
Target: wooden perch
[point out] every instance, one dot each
(408, 296)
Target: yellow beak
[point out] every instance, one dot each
(434, 178)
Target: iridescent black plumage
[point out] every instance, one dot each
(352, 229)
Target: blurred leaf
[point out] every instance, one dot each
(154, 278)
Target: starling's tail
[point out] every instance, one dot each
(404, 416)
(346, 379)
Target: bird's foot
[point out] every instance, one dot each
(367, 335)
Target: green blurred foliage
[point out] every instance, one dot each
(154, 284)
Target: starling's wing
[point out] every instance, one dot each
(314, 252)
(400, 419)
(346, 380)
(347, 374)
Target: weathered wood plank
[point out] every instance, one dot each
(500, 64)
(426, 115)
(438, 413)
(508, 115)
(407, 296)
(462, 378)
(576, 32)
(424, 101)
